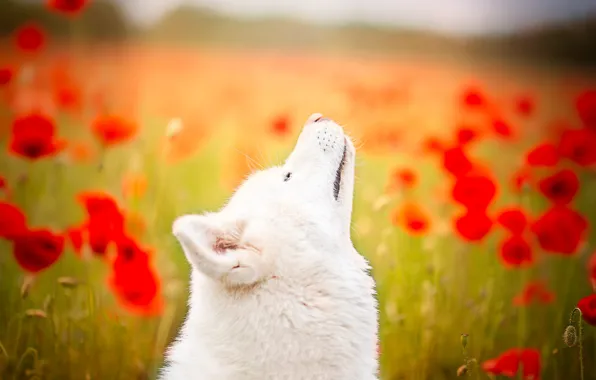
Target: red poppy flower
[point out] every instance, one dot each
(3, 184)
(506, 364)
(535, 291)
(525, 105)
(112, 130)
(101, 233)
(133, 281)
(561, 187)
(585, 105)
(68, 7)
(129, 252)
(407, 177)
(473, 225)
(473, 97)
(68, 97)
(33, 137)
(588, 307)
(545, 154)
(456, 162)
(96, 202)
(12, 220)
(502, 128)
(560, 230)
(105, 224)
(466, 135)
(531, 367)
(474, 191)
(579, 146)
(134, 267)
(413, 218)
(515, 252)
(6, 74)
(280, 126)
(36, 250)
(514, 220)
(433, 145)
(138, 290)
(75, 236)
(30, 37)
(402, 178)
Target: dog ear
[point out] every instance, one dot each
(216, 248)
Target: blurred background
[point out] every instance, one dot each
(475, 123)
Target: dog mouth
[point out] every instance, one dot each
(338, 173)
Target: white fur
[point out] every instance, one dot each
(277, 289)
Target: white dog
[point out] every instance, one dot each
(278, 291)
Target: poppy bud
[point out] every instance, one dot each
(68, 282)
(462, 370)
(570, 336)
(464, 340)
(36, 313)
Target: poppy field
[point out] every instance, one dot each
(474, 199)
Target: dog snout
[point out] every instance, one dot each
(315, 117)
(322, 133)
(329, 135)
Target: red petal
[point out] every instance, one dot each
(561, 187)
(545, 154)
(474, 225)
(514, 220)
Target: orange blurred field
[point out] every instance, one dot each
(411, 95)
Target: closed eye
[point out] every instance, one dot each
(222, 245)
(287, 176)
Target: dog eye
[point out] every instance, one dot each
(287, 176)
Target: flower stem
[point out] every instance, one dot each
(28, 351)
(3, 350)
(580, 339)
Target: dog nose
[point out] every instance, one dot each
(315, 118)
